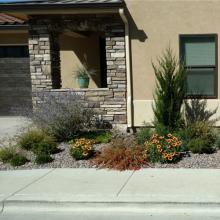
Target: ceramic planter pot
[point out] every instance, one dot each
(83, 82)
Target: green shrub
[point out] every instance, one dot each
(163, 149)
(43, 158)
(18, 160)
(82, 149)
(6, 154)
(170, 91)
(217, 142)
(104, 137)
(200, 146)
(38, 142)
(28, 139)
(202, 138)
(98, 136)
(46, 146)
(143, 135)
(196, 111)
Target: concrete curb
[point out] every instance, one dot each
(141, 209)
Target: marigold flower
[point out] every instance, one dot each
(170, 158)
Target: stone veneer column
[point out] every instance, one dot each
(116, 73)
(44, 56)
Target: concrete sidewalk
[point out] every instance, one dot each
(101, 194)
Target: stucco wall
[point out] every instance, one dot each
(154, 26)
(72, 53)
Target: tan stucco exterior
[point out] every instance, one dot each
(74, 51)
(161, 22)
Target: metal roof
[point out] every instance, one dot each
(61, 2)
(6, 19)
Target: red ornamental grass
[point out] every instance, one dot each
(121, 158)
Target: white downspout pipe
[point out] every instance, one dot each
(128, 69)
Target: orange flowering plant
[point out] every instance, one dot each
(82, 148)
(164, 149)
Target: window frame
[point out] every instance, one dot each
(181, 37)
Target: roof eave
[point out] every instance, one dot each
(46, 7)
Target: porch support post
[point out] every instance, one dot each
(44, 57)
(116, 71)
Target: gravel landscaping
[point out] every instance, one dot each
(195, 161)
(64, 160)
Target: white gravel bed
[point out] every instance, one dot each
(64, 160)
(61, 160)
(197, 161)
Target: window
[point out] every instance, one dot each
(199, 54)
(13, 51)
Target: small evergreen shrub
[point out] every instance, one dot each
(143, 135)
(170, 91)
(18, 160)
(120, 155)
(82, 149)
(46, 146)
(163, 149)
(6, 154)
(43, 158)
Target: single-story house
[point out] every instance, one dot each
(42, 42)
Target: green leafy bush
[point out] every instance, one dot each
(38, 142)
(6, 154)
(170, 91)
(143, 135)
(18, 160)
(163, 149)
(46, 146)
(82, 149)
(43, 158)
(98, 136)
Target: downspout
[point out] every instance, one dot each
(128, 69)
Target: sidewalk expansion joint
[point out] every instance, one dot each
(123, 186)
(36, 180)
(2, 208)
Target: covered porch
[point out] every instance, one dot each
(62, 35)
(59, 44)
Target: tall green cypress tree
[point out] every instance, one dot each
(170, 91)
